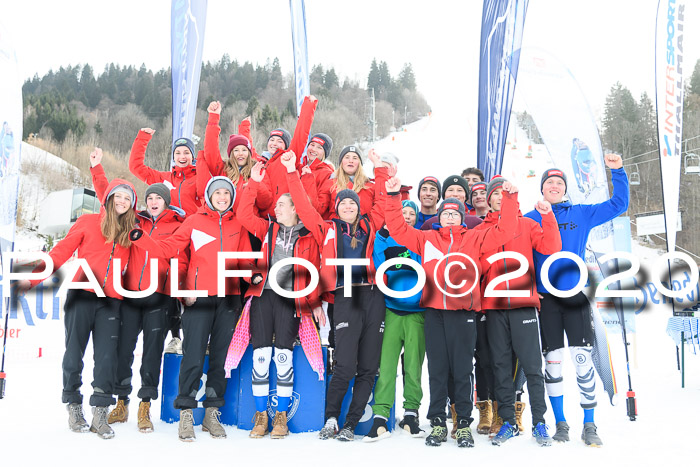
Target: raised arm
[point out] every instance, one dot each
(504, 230)
(244, 129)
(212, 155)
(303, 128)
(546, 239)
(246, 214)
(307, 213)
(137, 165)
(65, 248)
(618, 202)
(99, 177)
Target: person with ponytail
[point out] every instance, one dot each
(240, 161)
(210, 319)
(100, 240)
(358, 303)
(270, 312)
(181, 179)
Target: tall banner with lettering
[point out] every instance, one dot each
(669, 107)
(502, 25)
(10, 140)
(188, 21)
(301, 52)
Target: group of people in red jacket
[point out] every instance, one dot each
(290, 202)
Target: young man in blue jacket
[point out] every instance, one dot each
(573, 315)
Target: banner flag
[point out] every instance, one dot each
(301, 51)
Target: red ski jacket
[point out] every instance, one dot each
(433, 245)
(321, 172)
(181, 181)
(276, 173)
(306, 247)
(528, 236)
(326, 234)
(216, 166)
(372, 191)
(86, 237)
(206, 233)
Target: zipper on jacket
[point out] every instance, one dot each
(221, 234)
(179, 188)
(109, 263)
(449, 249)
(196, 272)
(505, 268)
(143, 268)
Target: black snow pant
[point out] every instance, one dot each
(450, 339)
(149, 314)
(484, 367)
(210, 320)
(359, 329)
(273, 315)
(174, 317)
(516, 330)
(85, 313)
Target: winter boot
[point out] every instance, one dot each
(410, 424)
(347, 433)
(279, 426)
(378, 431)
(485, 417)
(330, 429)
(185, 430)
(259, 425)
(453, 412)
(464, 436)
(506, 432)
(562, 433)
(519, 409)
(120, 413)
(76, 419)
(174, 346)
(438, 434)
(539, 432)
(212, 424)
(590, 435)
(144, 418)
(496, 421)
(99, 423)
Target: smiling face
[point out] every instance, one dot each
(479, 199)
(428, 195)
(456, 191)
(221, 199)
(315, 151)
(155, 204)
(275, 143)
(450, 217)
(351, 161)
(554, 190)
(409, 215)
(285, 212)
(182, 156)
(347, 210)
(122, 202)
(241, 155)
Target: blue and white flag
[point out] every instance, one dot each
(188, 20)
(501, 35)
(10, 140)
(301, 51)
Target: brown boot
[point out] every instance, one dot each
(485, 417)
(260, 422)
(279, 426)
(496, 421)
(120, 413)
(519, 409)
(453, 433)
(144, 418)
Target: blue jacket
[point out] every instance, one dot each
(575, 223)
(399, 277)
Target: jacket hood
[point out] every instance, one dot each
(219, 180)
(113, 185)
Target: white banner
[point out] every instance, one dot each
(669, 106)
(302, 85)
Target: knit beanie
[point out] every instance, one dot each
(237, 140)
(434, 181)
(346, 193)
(475, 187)
(220, 182)
(410, 204)
(452, 203)
(126, 189)
(455, 180)
(348, 149)
(184, 142)
(325, 141)
(496, 182)
(161, 190)
(552, 173)
(282, 133)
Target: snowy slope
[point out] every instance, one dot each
(33, 421)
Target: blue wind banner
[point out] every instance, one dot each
(301, 52)
(501, 35)
(188, 20)
(10, 141)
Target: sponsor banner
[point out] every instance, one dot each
(501, 35)
(188, 20)
(301, 51)
(669, 106)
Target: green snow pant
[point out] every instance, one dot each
(400, 332)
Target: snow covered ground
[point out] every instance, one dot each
(33, 422)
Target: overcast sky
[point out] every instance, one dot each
(602, 41)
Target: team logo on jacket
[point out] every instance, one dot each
(199, 239)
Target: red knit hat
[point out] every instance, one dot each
(238, 140)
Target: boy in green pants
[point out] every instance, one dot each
(403, 329)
